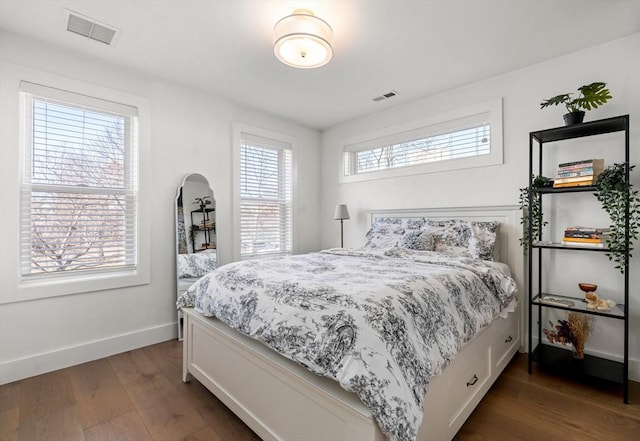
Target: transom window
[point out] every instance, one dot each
(79, 185)
(472, 141)
(459, 139)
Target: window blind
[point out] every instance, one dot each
(79, 184)
(265, 197)
(454, 140)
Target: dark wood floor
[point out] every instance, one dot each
(139, 395)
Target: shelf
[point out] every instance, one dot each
(197, 228)
(206, 210)
(553, 356)
(582, 189)
(600, 127)
(562, 360)
(617, 312)
(559, 246)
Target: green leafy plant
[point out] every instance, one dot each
(615, 194)
(591, 97)
(530, 199)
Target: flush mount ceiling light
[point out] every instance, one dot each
(303, 40)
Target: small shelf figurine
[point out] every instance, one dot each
(592, 299)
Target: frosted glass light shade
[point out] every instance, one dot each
(341, 212)
(303, 40)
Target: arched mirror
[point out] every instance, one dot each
(196, 250)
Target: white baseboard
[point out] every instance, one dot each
(18, 369)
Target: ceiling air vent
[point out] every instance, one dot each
(88, 27)
(385, 96)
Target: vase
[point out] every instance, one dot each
(572, 118)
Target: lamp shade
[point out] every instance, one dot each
(302, 40)
(341, 212)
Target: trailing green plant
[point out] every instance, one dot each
(530, 200)
(591, 97)
(615, 194)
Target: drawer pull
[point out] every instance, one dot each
(473, 381)
(509, 339)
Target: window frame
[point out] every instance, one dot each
(17, 288)
(239, 130)
(455, 120)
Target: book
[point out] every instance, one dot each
(585, 183)
(581, 239)
(585, 232)
(573, 179)
(583, 244)
(576, 163)
(578, 168)
(596, 163)
(581, 235)
(601, 230)
(587, 171)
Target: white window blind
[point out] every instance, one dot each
(265, 197)
(79, 184)
(415, 148)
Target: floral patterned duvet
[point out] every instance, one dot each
(381, 323)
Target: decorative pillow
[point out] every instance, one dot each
(454, 237)
(422, 240)
(196, 265)
(389, 232)
(484, 240)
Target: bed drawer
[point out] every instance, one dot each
(506, 341)
(468, 385)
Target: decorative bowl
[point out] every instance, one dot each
(587, 287)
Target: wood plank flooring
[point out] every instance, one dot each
(139, 396)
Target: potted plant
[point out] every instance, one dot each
(615, 194)
(203, 201)
(591, 97)
(531, 198)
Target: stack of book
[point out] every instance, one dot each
(207, 225)
(585, 236)
(578, 173)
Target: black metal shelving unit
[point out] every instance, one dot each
(196, 228)
(550, 356)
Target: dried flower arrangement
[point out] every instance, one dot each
(576, 330)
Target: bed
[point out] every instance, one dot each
(282, 400)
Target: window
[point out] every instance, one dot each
(265, 196)
(465, 138)
(79, 187)
(472, 141)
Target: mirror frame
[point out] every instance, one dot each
(182, 237)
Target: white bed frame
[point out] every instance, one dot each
(280, 400)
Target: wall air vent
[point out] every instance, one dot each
(385, 96)
(90, 28)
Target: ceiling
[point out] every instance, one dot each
(416, 48)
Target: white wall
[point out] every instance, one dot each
(190, 132)
(616, 63)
